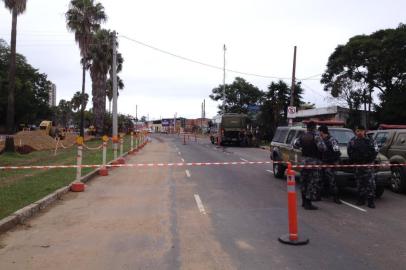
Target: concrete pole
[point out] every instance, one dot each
(292, 91)
(115, 127)
(224, 80)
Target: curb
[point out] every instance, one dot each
(23, 214)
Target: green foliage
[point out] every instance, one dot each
(76, 100)
(392, 109)
(275, 105)
(368, 63)
(19, 188)
(63, 113)
(32, 90)
(239, 95)
(84, 18)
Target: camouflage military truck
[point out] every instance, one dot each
(282, 150)
(392, 143)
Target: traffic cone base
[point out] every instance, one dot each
(285, 239)
(115, 162)
(103, 171)
(77, 187)
(121, 160)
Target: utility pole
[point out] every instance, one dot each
(115, 127)
(136, 112)
(204, 108)
(224, 80)
(292, 91)
(174, 123)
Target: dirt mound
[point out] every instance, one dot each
(38, 141)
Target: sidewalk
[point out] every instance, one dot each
(116, 217)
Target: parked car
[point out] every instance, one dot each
(282, 150)
(392, 143)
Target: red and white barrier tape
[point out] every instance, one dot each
(182, 164)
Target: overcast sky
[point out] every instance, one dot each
(259, 35)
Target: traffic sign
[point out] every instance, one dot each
(291, 111)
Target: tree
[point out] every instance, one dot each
(84, 18)
(32, 90)
(109, 90)
(100, 54)
(375, 61)
(76, 100)
(239, 96)
(64, 113)
(120, 83)
(16, 8)
(275, 106)
(392, 109)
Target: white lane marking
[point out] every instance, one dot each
(179, 153)
(244, 160)
(187, 173)
(183, 160)
(353, 206)
(269, 171)
(200, 204)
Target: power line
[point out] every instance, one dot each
(205, 64)
(44, 34)
(314, 91)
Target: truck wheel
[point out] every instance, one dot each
(379, 191)
(278, 170)
(398, 179)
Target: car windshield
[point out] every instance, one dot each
(342, 136)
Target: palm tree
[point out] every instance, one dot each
(100, 55)
(109, 90)
(16, 8)
(84, 18)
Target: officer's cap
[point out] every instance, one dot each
(323, 128)
(360, 127)
(311, 125)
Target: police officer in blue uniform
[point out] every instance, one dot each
(312, 146)
(331, 156)
(363, 150)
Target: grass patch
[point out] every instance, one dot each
(19, 188)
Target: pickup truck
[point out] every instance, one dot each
(282, 150)
(392, 143)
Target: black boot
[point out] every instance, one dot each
(309, 206)
(371, 203)
(361, 201)
(336, 199)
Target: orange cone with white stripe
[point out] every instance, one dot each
(292, 238)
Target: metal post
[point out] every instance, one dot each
(77, 185)
(121, 146)
(103, 170)
(79, 163)
(104, 154)
(132, 142)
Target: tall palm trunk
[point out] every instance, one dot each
(99, 100)
(11, 76)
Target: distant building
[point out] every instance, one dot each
(52, 96)
(155, 125)
(331, 113)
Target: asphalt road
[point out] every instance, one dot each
(203, 217)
